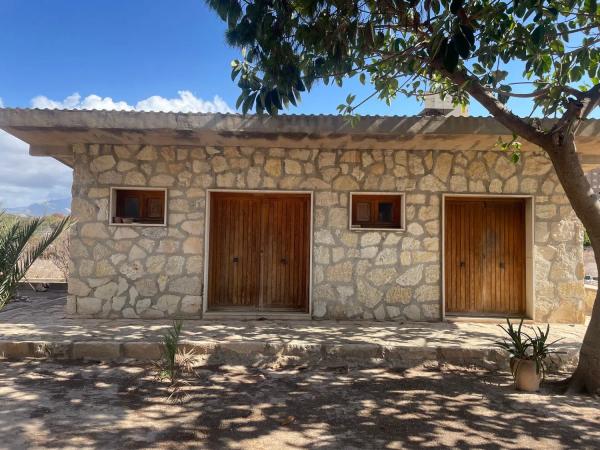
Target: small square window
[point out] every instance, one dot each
(377, 211)
(145, 207)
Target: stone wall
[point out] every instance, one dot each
(590, 298)
(158, 272)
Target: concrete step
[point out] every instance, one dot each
(261, 353)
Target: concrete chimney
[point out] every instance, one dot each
(435, 106)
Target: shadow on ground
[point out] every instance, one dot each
(54, 405)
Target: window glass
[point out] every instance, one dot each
(376, 211)
(385, 212)
(137, 206)
(131, 207)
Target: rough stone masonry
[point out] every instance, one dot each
(158, 272)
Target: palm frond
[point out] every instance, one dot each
(30, 255)
(17, 253)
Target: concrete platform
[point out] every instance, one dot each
(39, 328)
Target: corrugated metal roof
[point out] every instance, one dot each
(52, 131)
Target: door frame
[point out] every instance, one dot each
(254, 314)
(529, 248)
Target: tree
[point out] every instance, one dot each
(18, 250)
(479, 49)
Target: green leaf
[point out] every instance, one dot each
(576, 73)
(291, 97)
(240, 100)
(276, 99)
(362, 77)
(248, 103)
(591, 6)
(499, 75)
(557, 46)
(300, 85)
(260, 108)
(235, 72)
(538, 34)
(478, 69)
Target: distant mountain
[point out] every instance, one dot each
(59, 206)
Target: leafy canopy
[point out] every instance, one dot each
(550, 49)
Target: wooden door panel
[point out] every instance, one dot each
(504, 268)
(485, 256)
(463, 256)
(285, 233)
(234, 252)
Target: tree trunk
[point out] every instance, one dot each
(586, 205)
(559, 143)
(586, 377)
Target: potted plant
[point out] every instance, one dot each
(527, 355)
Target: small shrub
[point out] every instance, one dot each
(170, 347)
(175, 362)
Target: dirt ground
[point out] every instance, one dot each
(83, 405)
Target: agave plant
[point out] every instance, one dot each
(18, 251)
(525, 346)
(519, 342)
(540, 348)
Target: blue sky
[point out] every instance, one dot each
(128, 50)
(121, 55)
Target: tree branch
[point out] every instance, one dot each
(534, 94)
(510, 120)
(590, 101)
(577, 111)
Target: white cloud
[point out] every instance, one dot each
(26, 179)
(186, 102)
(75, 101)
(1, 103)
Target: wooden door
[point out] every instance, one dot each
(485, 256)
(259, 251)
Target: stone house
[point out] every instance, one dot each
(397, 218)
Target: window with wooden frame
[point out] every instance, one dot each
(376, 211)
(130, 206)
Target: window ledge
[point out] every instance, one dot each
(389, 230)
(137, 225)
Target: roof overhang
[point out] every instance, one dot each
(53, 132)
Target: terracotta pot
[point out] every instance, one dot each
(526, 375)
